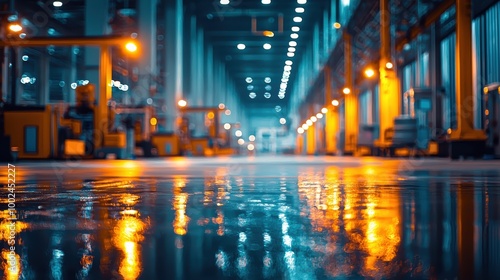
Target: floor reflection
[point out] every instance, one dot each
(356, 222)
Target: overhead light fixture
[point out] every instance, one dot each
(227, 126)
(305, 126)
(266, 2)
(290, 54)
(267, 46)
(252, 95)
(295, 29)
(319, 115)
(335, 102)
(267, 80)
(182, 103)
(250, 87)
(389, 65)
(224, 2)
(241, 141)
(309, 122)
(297, 19)
(294, 35)
(268, 33)
(267, 95)
(346, 90)
(248, 79)
(301, 1)
(299, 10)
(241, 46)
(287, 68)
(281, 96)
(313, 119)
(282, 121)
(324, 110)
(15, 27)
(291, 49)
(268, 87)
(300, 130)
(288, 62)
(57, 3)
(337, 25)
(369, 72)
(292, 44)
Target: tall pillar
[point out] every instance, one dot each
(389, 97)
(331, 117)
(351, 100)
(465, 139)
(311, 140)
(96, 24)
(147, 38)
(174, 60)
(69, 93)
(44, 96)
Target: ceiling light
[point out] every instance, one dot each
(282, 121)
(292, 44)
(57, 3)
(266, 2)
(335, 103)
(305, 126)
(324, 110)
(389, 65)
(227, 126)
(268, 33)
(369, 73)
(301, 1)
(277, 109)
(268, 87)
(252, 95)
(299, 10)
(300, 130)
(291, 49)
(288, 62)
(337, 25)
(250, 87)
(282, 86)
(241, 46)
(238, 133)
(287, 68)
(294, 35)
(267, 80)
(313, 119)
(241, 141)
(295, 29)
(290, 54)
(267, 46)
(297, 19)
(346, 90)
(319, 115)
(248, 80)
(281, 96)
(224, 2)
(267, 95)
(251, 138)
(309, 122)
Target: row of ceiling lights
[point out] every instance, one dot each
(250, 87)
(291, 50)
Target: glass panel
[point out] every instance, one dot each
(30, 139)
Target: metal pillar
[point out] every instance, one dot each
(147, 38)
(96, 24)
(175, 59)
(44, 93)
(464, 87)
(101, 124)
(331, 117)
(389, 97)
(351, 100)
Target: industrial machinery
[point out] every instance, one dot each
(412, 130)
(491, 116)
(62, 131)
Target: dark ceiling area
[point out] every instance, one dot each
(225, 25)
(247, 22)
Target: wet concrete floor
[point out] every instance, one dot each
(253, 218)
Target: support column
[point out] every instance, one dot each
(96, 24)
(174, 61)
(389, 97)
(465, 140)
(311, 140)
(147, 37)
(44, 92)
(331, 117)
(351, 99)
(101, 124)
